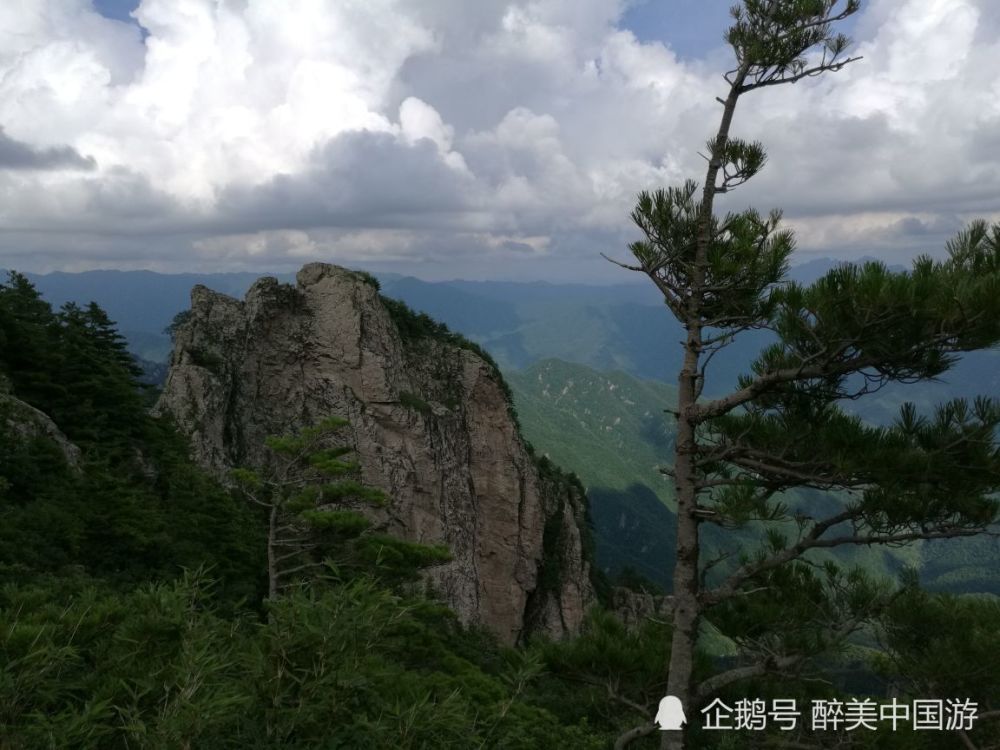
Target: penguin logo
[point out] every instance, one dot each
(670, 715)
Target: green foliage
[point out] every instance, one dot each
(415, 327)
(772, 39)
(82, 666)
(859, 328)
(135, 508)
(179, 320)
(560, 489)
(119, 523)
(605, 673)
(72, 364)
(395, 560)
(369, 279)
(552, 571)
(305, 441)
(30, 338)
(347, 523)
(413, 401)
(747, 254)
(316, 528)
(902, 326)
(944, 646)
(351, 666)
(609, 428)
(106, 641)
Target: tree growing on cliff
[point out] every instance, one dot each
(854, 331)
(314, 505)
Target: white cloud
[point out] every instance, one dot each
(418, 120)
(439, 131)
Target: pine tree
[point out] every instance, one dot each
(103, 395)
(315, 520)
(30, 354)
(944, 646)
(71, 364)
(854, 331)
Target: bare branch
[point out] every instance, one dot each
(297, 569)
(770, 663)
(718, 681)
(623, 265)
(626, 739)
(807, 73)
(619, 698)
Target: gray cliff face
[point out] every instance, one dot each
(430, 424)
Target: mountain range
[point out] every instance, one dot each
(591, 369)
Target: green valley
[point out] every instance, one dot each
(612, 430)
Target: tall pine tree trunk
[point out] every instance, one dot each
(686, 607)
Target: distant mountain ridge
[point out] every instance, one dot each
(615, 327)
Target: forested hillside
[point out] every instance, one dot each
(133, 507)
(596, 332)
(133, 610)
(132, 594)
(613, 431)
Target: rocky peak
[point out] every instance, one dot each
(430, 420)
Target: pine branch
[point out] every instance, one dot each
(723, 679)
(296, 553)
(669, 293)
(626, 266)
(795, 474)
(829, 366)
(773, 663)
(813, 540)
(796, 77)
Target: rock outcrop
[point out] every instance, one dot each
(24, 422)
(633, 608)
(431, 423)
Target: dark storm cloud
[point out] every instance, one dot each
(359, 179)
(21, 156)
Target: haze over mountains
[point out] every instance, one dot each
(606, 327)
(615, 327)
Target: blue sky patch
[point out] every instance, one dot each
(117, 9)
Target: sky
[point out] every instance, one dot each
(502, 139)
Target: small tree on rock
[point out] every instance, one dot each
(314, 503)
